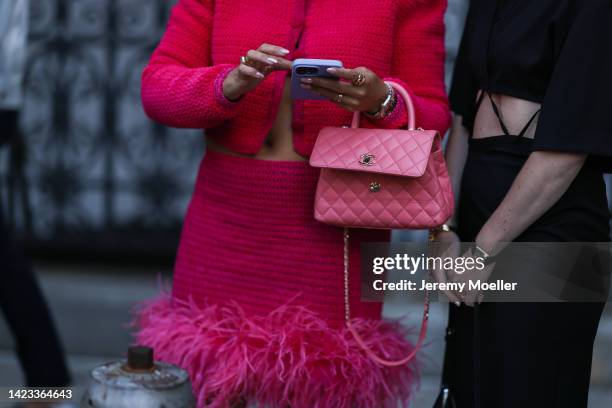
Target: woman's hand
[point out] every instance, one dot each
(471, 296)
(256, 65)
(358, 89)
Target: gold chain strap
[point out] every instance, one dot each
(347, 305)
(360, 341)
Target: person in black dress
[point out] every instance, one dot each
(531, 140)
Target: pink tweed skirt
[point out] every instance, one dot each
(256, 312)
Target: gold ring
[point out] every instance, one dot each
(359, 80)
(245, 60)
(339, 98)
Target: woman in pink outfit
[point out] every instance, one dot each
(256, 312)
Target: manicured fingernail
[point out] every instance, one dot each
(306, 80)
(284, 51)
(332, 70)
(272, 60)
(259, 75)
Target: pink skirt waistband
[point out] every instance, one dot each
(281, 191)
(287, 176)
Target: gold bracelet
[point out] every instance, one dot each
(433, 232)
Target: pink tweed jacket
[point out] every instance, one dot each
(401, 40)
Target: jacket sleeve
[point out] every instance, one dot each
(180, 86)
(418, 65)
(576, 109)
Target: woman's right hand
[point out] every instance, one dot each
(244, 78)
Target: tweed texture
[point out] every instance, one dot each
(257, 302)
(257, 306)
(250, 236)
(401, 40)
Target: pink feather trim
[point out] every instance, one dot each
(290, 358)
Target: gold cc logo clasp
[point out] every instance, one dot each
(367, 159)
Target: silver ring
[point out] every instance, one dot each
(339, 98)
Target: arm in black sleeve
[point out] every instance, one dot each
(576, 115)
(464, 86)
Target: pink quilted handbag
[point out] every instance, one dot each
(381, 178)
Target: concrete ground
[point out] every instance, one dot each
(91, 306)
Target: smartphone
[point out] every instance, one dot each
(305, 67)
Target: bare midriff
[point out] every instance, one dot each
(278, 144)
(514, 111)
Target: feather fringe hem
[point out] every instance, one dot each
(289, 358)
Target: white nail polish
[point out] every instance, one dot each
(284, 51)
(259, 75)
(272, 60)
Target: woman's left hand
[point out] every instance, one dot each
(470, 296)
(358, 89)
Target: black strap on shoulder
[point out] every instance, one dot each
(503, 125)
(499, 118)
(479, 101)
(522, 134)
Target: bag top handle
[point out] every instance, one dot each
(407, 99)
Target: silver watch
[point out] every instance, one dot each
(387, 106)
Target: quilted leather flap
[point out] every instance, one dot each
(387, 151)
